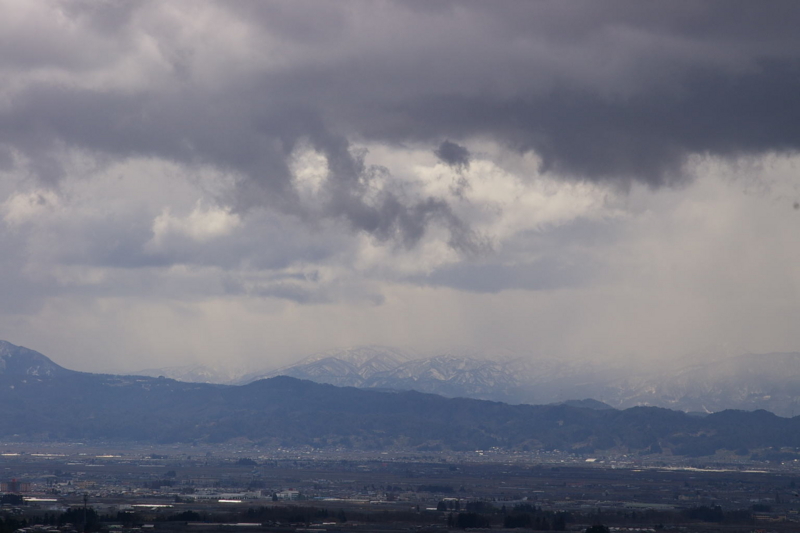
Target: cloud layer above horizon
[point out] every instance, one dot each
(196, 180)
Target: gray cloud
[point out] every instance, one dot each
(493, 277)
(391, 216)
(453, 154)
(568, 256)
(621, 93)
(624, 92)
(207, 109)
(644, 138)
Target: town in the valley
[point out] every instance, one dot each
(235, 486)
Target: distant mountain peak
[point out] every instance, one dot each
(18, 360)
(587, 403)
(361, 355)
(344, 367)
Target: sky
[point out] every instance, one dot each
(244, 183)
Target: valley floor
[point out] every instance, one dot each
(237, 488)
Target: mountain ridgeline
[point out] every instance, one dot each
(40, 400)
(748, 382)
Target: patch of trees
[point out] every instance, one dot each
(79, 516)
(127, 518)
(468, 520)
(158, 483)
(12, 499)
(474, 514)
(715, 514)
(186, 516)
(295, 514)
(448, 505)
(481, 507)
(530, 517)
(535, 522)
(9, 524)
(287, 514)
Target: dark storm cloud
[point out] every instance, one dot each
(453, 154)
(645, 137)
(613, 91)
(669, 81)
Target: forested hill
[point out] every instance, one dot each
(67, 405)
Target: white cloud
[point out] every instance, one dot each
(29, 207)
(309, 170)
(201, 225)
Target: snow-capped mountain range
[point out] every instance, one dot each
(765, 381)
(351, 367)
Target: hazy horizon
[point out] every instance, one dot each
(624, 367)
